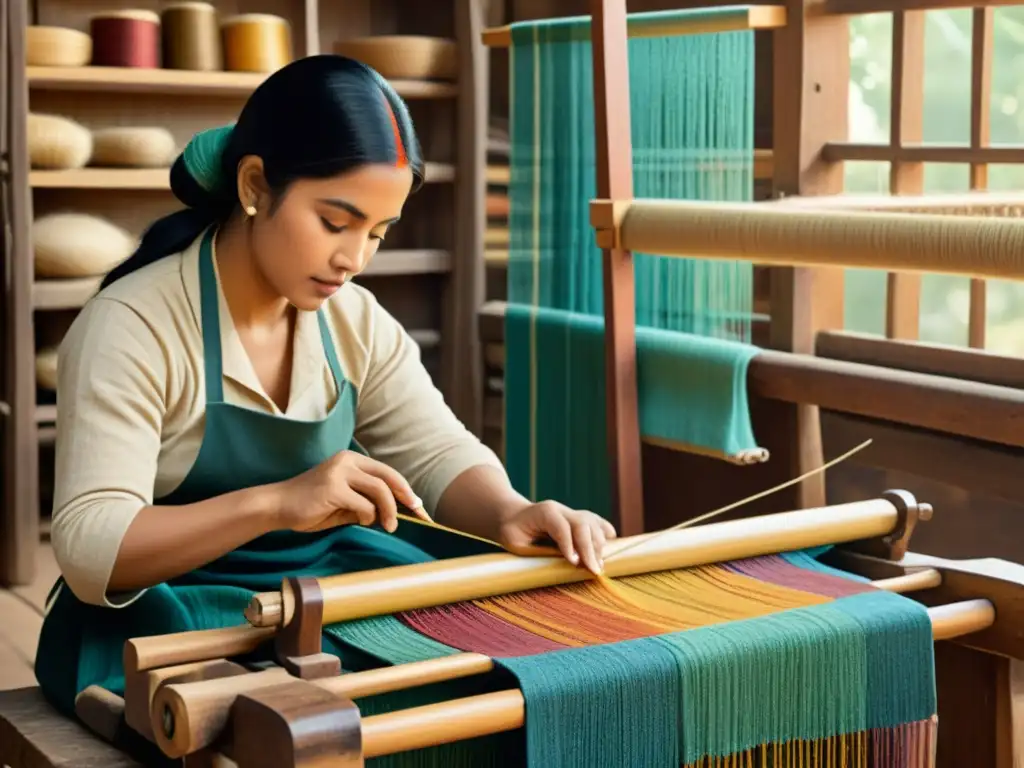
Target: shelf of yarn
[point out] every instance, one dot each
(183, 82)
(158, 178)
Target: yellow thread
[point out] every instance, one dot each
(434, 524)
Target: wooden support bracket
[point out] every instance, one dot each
(296, 725)
(299, 643)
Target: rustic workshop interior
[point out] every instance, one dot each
(629, 275)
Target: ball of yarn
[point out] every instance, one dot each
(46, 367)
(57, 143)
(133, 147)
(70, 245)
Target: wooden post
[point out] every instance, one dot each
(461, 354)
(903, 296)
(615, 182)
(811, 74)
(19, 532)
(981, 93)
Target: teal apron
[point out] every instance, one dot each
(81, 645)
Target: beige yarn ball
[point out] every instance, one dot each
(46, 368)
(57, 143)
(133, 147)
(68, 245)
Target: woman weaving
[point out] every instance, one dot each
(234, 409)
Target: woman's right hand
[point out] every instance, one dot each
(348, 488)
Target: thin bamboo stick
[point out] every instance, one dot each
(187, 717)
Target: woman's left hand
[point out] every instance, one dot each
(578, 534)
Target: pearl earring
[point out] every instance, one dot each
(250, 210)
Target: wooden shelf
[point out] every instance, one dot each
(102, 178)
(75, 292)
(64, 294)
(46, 414)
(181, 82)
(159, 178)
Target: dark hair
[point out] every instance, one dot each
(316, 117)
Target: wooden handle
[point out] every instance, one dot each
(142, 653)
(408, 587)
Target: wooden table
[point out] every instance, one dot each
(34, 735)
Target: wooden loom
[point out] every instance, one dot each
(185, 693)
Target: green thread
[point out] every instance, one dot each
(692, 136)
(204, 154)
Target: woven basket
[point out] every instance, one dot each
(57, 47)
(404, 57)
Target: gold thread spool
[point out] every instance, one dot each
(191, 37)
(256, 42)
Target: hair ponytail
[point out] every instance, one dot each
(314, 118)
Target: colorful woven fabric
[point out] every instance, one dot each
(777, 659)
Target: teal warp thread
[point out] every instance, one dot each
(673, 370)
(692, 135)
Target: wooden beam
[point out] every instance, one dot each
(615, 181)
(668, 25)
(844, 151)
(906, 177)
(857, 7)
(981, 93)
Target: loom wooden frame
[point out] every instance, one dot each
(804, 312)
(185, 694)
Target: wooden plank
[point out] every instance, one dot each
(843, 151)
(954, 461)
(173, 82)
(34, 735)
(936, 359)
(615, 182)
(981, 94)
(858, 7)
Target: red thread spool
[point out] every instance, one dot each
(129, 38)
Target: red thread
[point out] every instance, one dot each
(402, 160)
(119, 41)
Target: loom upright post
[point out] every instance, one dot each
(615, 182)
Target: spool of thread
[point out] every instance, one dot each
(256, 42)
(128, 38)
(191, 37)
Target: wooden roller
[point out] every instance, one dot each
(805, 236)
(189, 716)
(392, 590)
